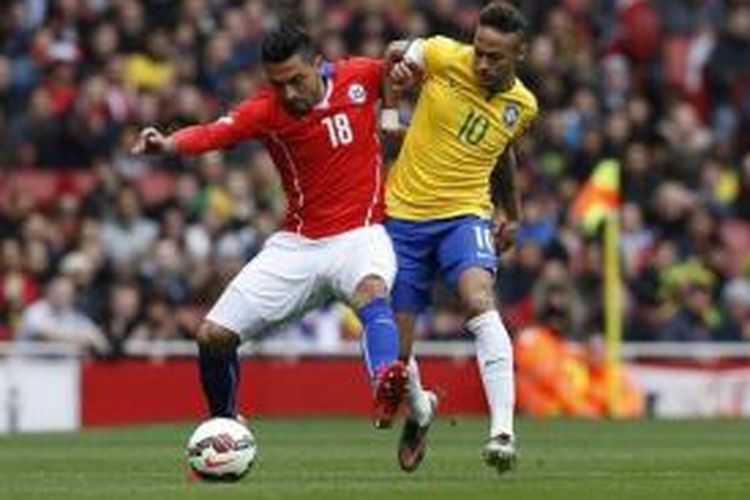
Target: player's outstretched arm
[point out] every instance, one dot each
(244, 122)
(507, 200)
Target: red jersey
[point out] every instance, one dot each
(330, 159)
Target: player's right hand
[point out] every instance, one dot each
(504, 234)
(151, 141)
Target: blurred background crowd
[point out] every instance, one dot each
(98, 246)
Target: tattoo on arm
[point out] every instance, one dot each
(503, 189)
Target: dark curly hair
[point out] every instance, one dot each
(503, 17)
(286, 41)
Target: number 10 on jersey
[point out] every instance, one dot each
(339, 129)
(474, 128)
(485, 240)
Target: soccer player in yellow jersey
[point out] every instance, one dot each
(445, 214)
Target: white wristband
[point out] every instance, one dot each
(415, 53)
(389, 120)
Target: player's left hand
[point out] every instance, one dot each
(151, 141)
(404, 75)
(504, 234)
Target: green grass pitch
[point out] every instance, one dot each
(347, 459)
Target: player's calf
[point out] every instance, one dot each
(494, 349)
(219, 368)
(381, 346)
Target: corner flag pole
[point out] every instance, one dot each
(612, 308)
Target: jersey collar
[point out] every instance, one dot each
(327, 71)
(501, 93)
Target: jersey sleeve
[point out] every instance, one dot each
(372, 71)
(247, 121)
(437, 52)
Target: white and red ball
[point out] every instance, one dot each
(221, 449)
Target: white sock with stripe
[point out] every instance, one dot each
(495, 359)
(418, 400)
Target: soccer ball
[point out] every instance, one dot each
(221, 449)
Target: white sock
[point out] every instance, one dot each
(495, 359)
(418, 401)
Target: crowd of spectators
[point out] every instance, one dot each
(662, 87)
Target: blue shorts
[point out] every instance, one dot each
(445, 246)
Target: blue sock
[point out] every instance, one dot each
(220, 377)
(381, 339)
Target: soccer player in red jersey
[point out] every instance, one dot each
(319, 123)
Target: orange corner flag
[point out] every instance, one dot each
(599, 197)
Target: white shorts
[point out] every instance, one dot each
(293, 274)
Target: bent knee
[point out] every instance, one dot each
(215, 337)
(478, 299)
(477, 292)
(370, 288)
(478, 302)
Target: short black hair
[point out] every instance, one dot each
(504, 17)
(284, 42)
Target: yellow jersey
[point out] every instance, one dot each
(455, 138)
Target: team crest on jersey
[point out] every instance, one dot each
(357, 93)
(511, 114)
